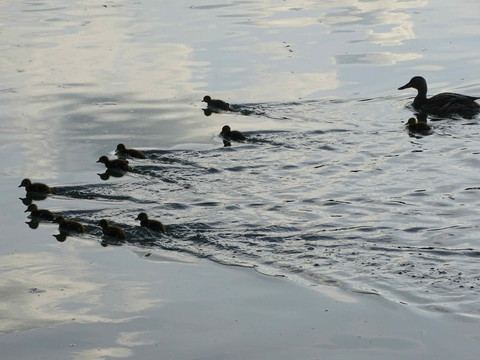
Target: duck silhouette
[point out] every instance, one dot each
(216, 103)
(37, 188)
(441, 104)
(40, 213)
(117, 164)
(67, 225)
(154, 225)
(417, 126)
(121, 149)
(229, 134)
(111, 230)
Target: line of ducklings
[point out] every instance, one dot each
(69, 226)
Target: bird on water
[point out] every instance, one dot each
(216, 103)
(441, 104)
(111, 230)
(121, 149)
(67, 225)
(40, 213)
(117, 164)
(37, 188)
(228, 134)
(154, 225)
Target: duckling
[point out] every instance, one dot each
(419, 126)
(117, 164)
(151, 224)
(130, 152)
(234, 135)
(442, 104)
(111, 230)
(216, 104)
(37, 188)
(40, 213)
(69, 225)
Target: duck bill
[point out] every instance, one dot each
(406, 86)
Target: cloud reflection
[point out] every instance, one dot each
(63, 293)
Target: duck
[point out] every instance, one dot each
(67, 225)
(37, 188)
(441, 104)
(40, 213)
(151, 224)
(229, 134)
(117, 164)
(216, 103)
(130, 152)
(417, 126)
(111, 230)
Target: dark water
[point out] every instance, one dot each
(329, 187)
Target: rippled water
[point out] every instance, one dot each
(329, 187)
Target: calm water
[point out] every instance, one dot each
(329, 188)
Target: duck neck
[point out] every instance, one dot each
(421, 97)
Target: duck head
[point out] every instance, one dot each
(417, 82)
(103, 159)
(142, 216)
(25, 182)
(207, 99)
(103, 223)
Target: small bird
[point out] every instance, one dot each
(69, 225)
(417, 126)
(40, 213)
(117, 164)
(229, 134)
(442, 104)
(151, 224)
(37, 188)
(130, 152)
(216, 104)
(111, 230)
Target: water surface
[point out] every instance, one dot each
(329, 188)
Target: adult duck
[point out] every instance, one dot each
(117, 164)
(121, 149)
(216, 103)
(37, 188)
(442, 104)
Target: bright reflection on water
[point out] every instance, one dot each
(329, 188)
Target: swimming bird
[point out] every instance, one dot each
(37, 188)
(117, 164)
(151, 224)
(417, 126)
(130, 152)
(111, 230)
(40, 213)
(229, 134)
(215, 103)
(442, 104)
(67, 225)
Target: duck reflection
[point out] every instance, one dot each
(32, 224)
(111, 173)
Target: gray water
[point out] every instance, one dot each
(329, 188)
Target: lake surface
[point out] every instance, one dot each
(329, 188)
